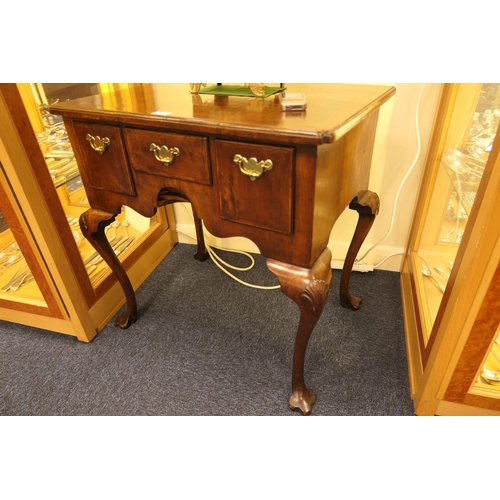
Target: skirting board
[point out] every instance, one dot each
(394, 255)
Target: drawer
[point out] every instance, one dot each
(265, 202)
(185, 157)
(108, 167)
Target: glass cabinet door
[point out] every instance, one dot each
(129, 228)
(461, 159)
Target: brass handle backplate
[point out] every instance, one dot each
(253, 168)
(98, 144)
(164, 154)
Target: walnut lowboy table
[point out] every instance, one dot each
(248, 169)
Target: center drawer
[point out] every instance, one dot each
(170, 155)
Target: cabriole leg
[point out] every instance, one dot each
(367, 205)
(92, 224)
(308, 288)
(201, 250)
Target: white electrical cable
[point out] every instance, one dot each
(387, 257)
(219, 262)
(217, 259)
(417, 154)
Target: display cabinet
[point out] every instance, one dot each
(50, 276)
(450, 276)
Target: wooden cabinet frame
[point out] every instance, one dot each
(444, 367)
(71, 304)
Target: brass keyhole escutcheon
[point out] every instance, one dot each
(252, 168)
(98, 144)
(164, 154)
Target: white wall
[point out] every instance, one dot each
(395, 149)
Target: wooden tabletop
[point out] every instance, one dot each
(332, 110)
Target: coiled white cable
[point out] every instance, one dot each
(220, 263)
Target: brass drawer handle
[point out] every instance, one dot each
(253, 168)
(164, 154)
(98, 144)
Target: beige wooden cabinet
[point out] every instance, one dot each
(41, 199)
(450, 274)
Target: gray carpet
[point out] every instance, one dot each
(206, 345)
